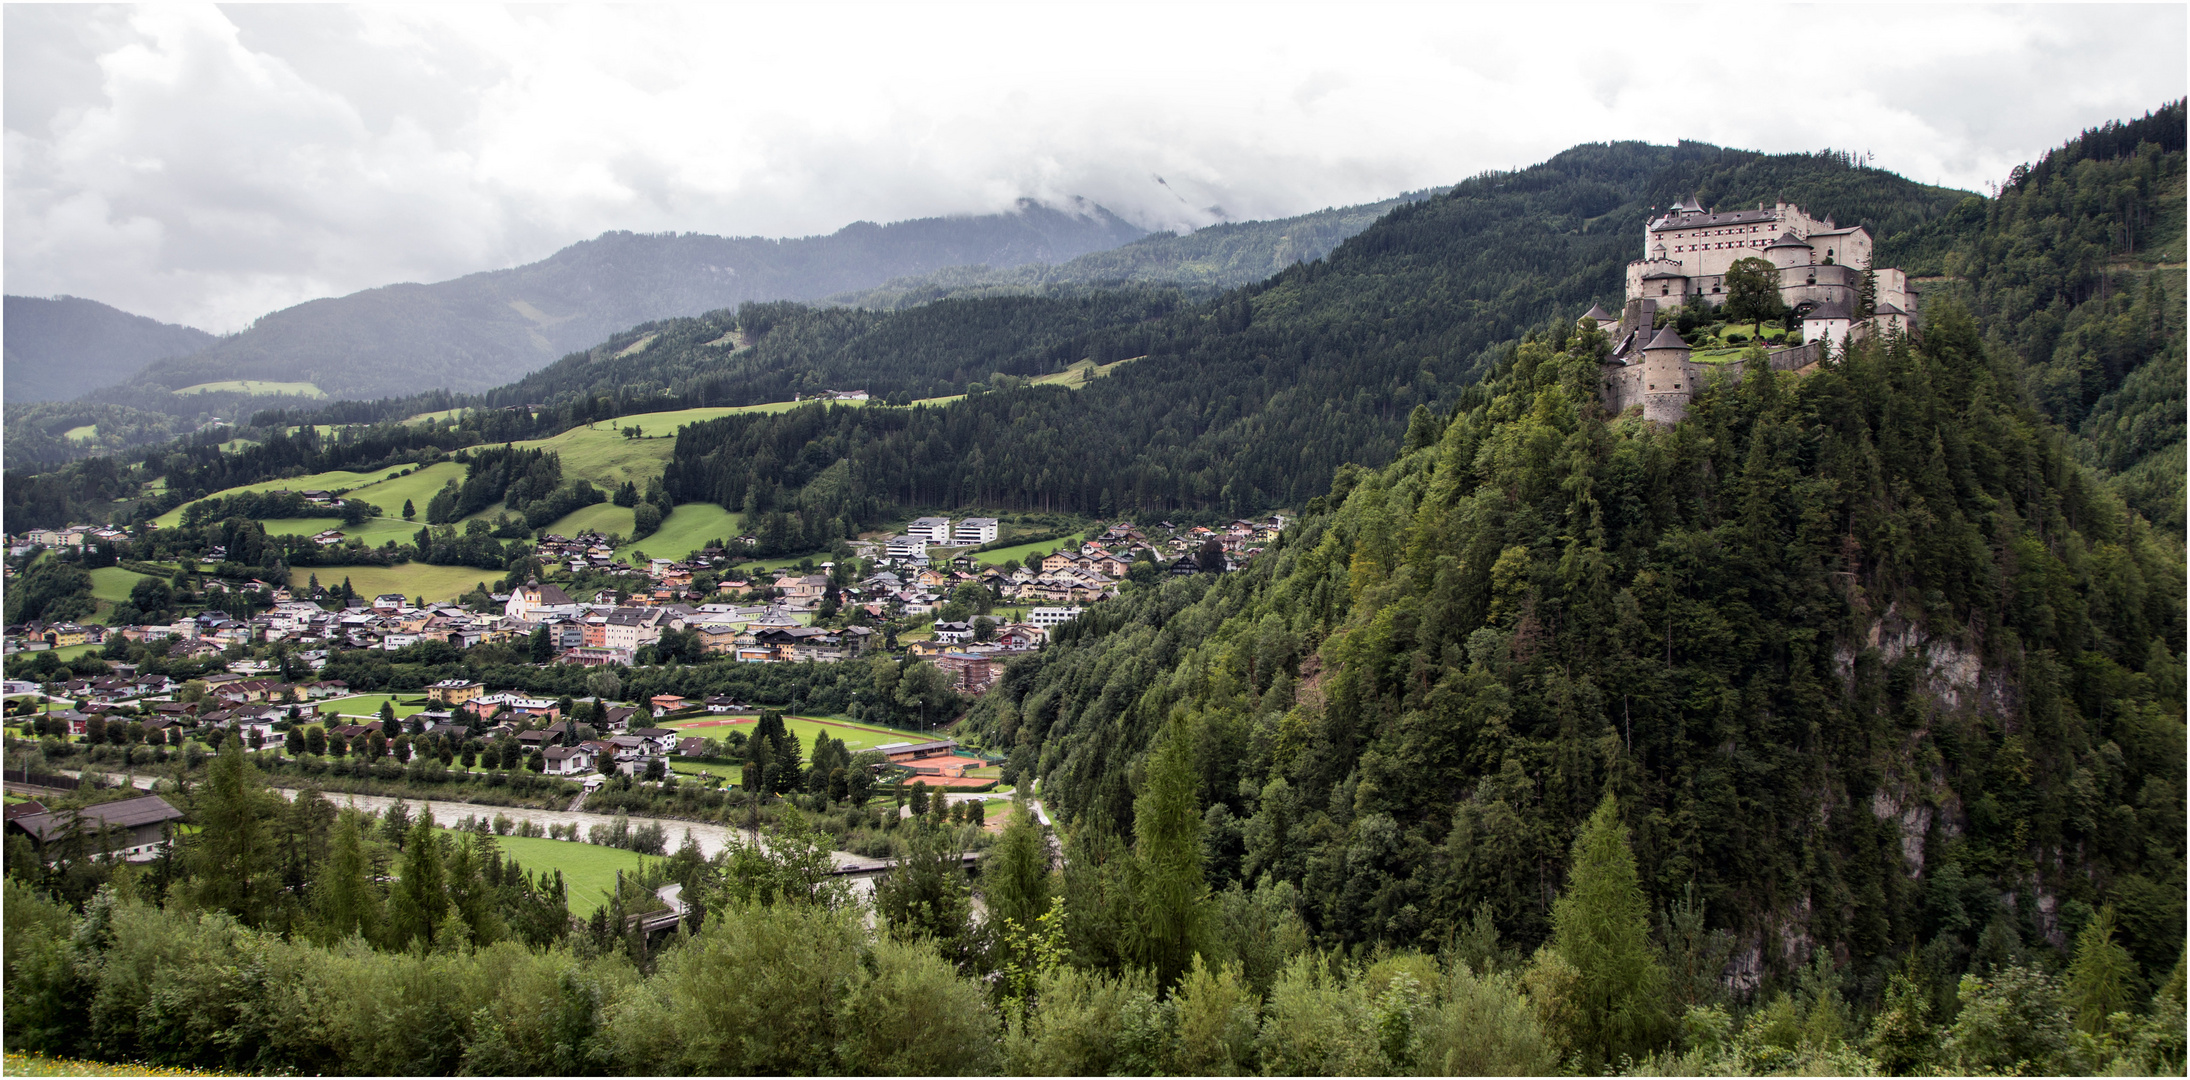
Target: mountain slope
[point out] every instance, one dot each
(1869, 661)
(1219, 257)
(60, 347)
(486, 329)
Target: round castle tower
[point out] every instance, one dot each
(1665, 378)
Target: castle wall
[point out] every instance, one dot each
(1664, 389)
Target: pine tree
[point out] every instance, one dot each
(343, 897)
(2099, 977)
(1170, 891)
(1601, 925)
(235, 853)
(410, 513)
(418, 905)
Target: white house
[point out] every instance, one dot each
(907, 547)
(568, 760)
(935, 530)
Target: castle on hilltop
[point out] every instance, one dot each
(1686, 254)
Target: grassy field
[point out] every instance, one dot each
(255, 386)
(369, 704)
(855, 736)
(367, 486)
(688, 528)
(82, 432)
(374, 532)
(112, 583)
(599, 454)
(589, 870)
(435, 583)
(1021, 551)
(602, 518)
(39, 1065)
(1080, 374)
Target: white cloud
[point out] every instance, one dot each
(207, 165)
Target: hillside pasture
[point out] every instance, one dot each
(603, 518)
(688, 528)
(1021, 551)
(112, 583)
(255, 386)
(367, 486)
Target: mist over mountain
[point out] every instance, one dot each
(486, 329)
(60, 347)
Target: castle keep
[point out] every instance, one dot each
(1686, 254)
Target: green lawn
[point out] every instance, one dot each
(369, 704)
(1021, 551)
(68, 652)
(599, 454)
(112, 583)
(687, 529)
(855, 736)
(374, 532)
(589, 870)
(81, 433)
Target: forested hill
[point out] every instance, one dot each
(1249, 401)
(1872, 665)
(485, 329)
(1206, 260)
(63, 346)
(2079, 274)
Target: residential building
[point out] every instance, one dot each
(454, 691)
(974, 531)
(934, 530)
(1046, 617)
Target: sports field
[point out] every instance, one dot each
(368, 705)
(589, 870)
(808, 729)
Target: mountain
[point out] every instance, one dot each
(1844, 648)
(485, 329)
(61, 347)
(2078, 273)
(1219, 257)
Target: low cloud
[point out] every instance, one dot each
(208, 165)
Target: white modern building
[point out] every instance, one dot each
(1046, 617)
(934, 530)
(974, 531)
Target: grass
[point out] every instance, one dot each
(599, 454)
(369, 704)
(255, 386)
(112, 583)
(68, 652)
(40, 1065)
(602, 518)
(855, 736)
(361, 485)
(1021, 551)
(1081, 373)
(589, 870)
(435, 583)
(374, 532)
(82, 433)
(688, 528)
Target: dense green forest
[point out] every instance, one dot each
(2079, 274)
(1875, 668)
(59, 347)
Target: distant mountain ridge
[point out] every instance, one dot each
(1213, 259)
(63, 346)
(487, 329)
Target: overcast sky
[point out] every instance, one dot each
(207, 165)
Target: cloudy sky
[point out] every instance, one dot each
(206, 165)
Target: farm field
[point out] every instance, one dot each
(374, 532)
(112, 583)
(606, 458)
(589, 870)
(604, 518)
(855, 736)
(435, 583)
(1081, 373)
(376, 488)
(687, 528)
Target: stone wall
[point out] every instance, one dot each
(1663, 392)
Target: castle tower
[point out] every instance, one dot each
(1665, 378)
(1788, 251)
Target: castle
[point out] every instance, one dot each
(1686, 254)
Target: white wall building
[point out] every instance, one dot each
(974, 531)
